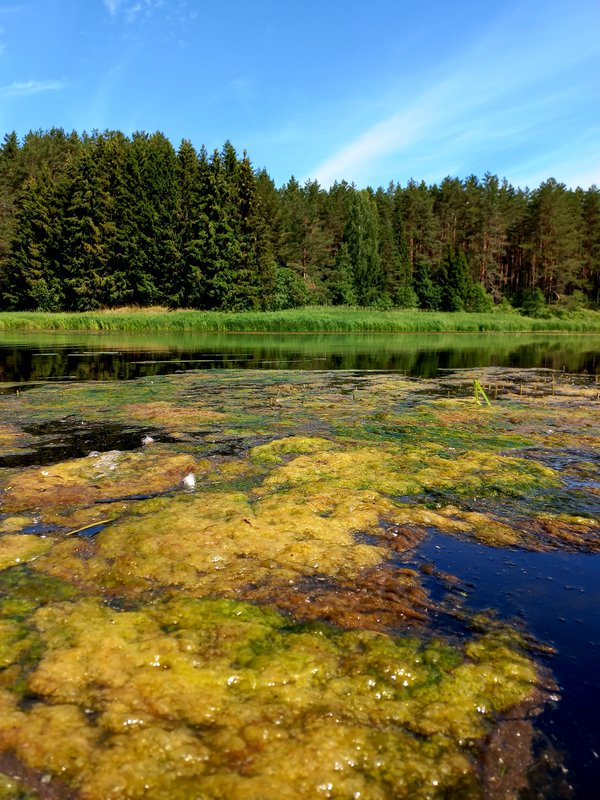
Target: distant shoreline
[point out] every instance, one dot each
(304, 320)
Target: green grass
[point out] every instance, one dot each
(317, 319)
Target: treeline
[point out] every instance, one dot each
(105, 220)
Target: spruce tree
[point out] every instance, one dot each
(362, 239)
(455, 283)
(30, 281)
(184, 277)
(85, 232)
(590, 210)
(341, 280)
(429, 294)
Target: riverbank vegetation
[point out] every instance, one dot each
(105, 220)
(304, 320)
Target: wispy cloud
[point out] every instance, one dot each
(130, 9)
(483, 103)
(26, 88)
(112, 6)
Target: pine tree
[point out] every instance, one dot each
(306, 243)
(449, 207)
(421, 226)
(556, 236)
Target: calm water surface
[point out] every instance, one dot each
(75, 356)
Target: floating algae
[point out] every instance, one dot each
(12, 788)
(132, 664)
(16, 549)
(217, 698)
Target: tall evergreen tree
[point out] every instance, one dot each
(448, 208)
(421, 226)
(85, 232)
(404, 294)
(256, 267)
(184, 276)
(362, 239)
(222, 252)
(455, 281)
(590, 211)
(555, 224)
(10, 179)
(306, 243)
(429, 294)
(30, 281)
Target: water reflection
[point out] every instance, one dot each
(42, 357)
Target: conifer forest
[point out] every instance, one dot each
(104, 220)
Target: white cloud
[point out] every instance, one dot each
(26, 88)
(484, 102)
(397, 132)
(112, 6)
(131, 9)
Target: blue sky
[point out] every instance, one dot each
(321, 89)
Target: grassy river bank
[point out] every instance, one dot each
(317, 319)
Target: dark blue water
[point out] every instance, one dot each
(555, 597)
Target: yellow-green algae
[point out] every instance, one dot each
(18, 549)
(100, 476)
(220, 699)
(13, 789)
(274, 452)
(306, 486)
(220, 541)
(14, 524)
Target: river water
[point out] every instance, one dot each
(75, 356)
(555, 596)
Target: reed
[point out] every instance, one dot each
(479, 390)
(314, 319)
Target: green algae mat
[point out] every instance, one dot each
(208, 585)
